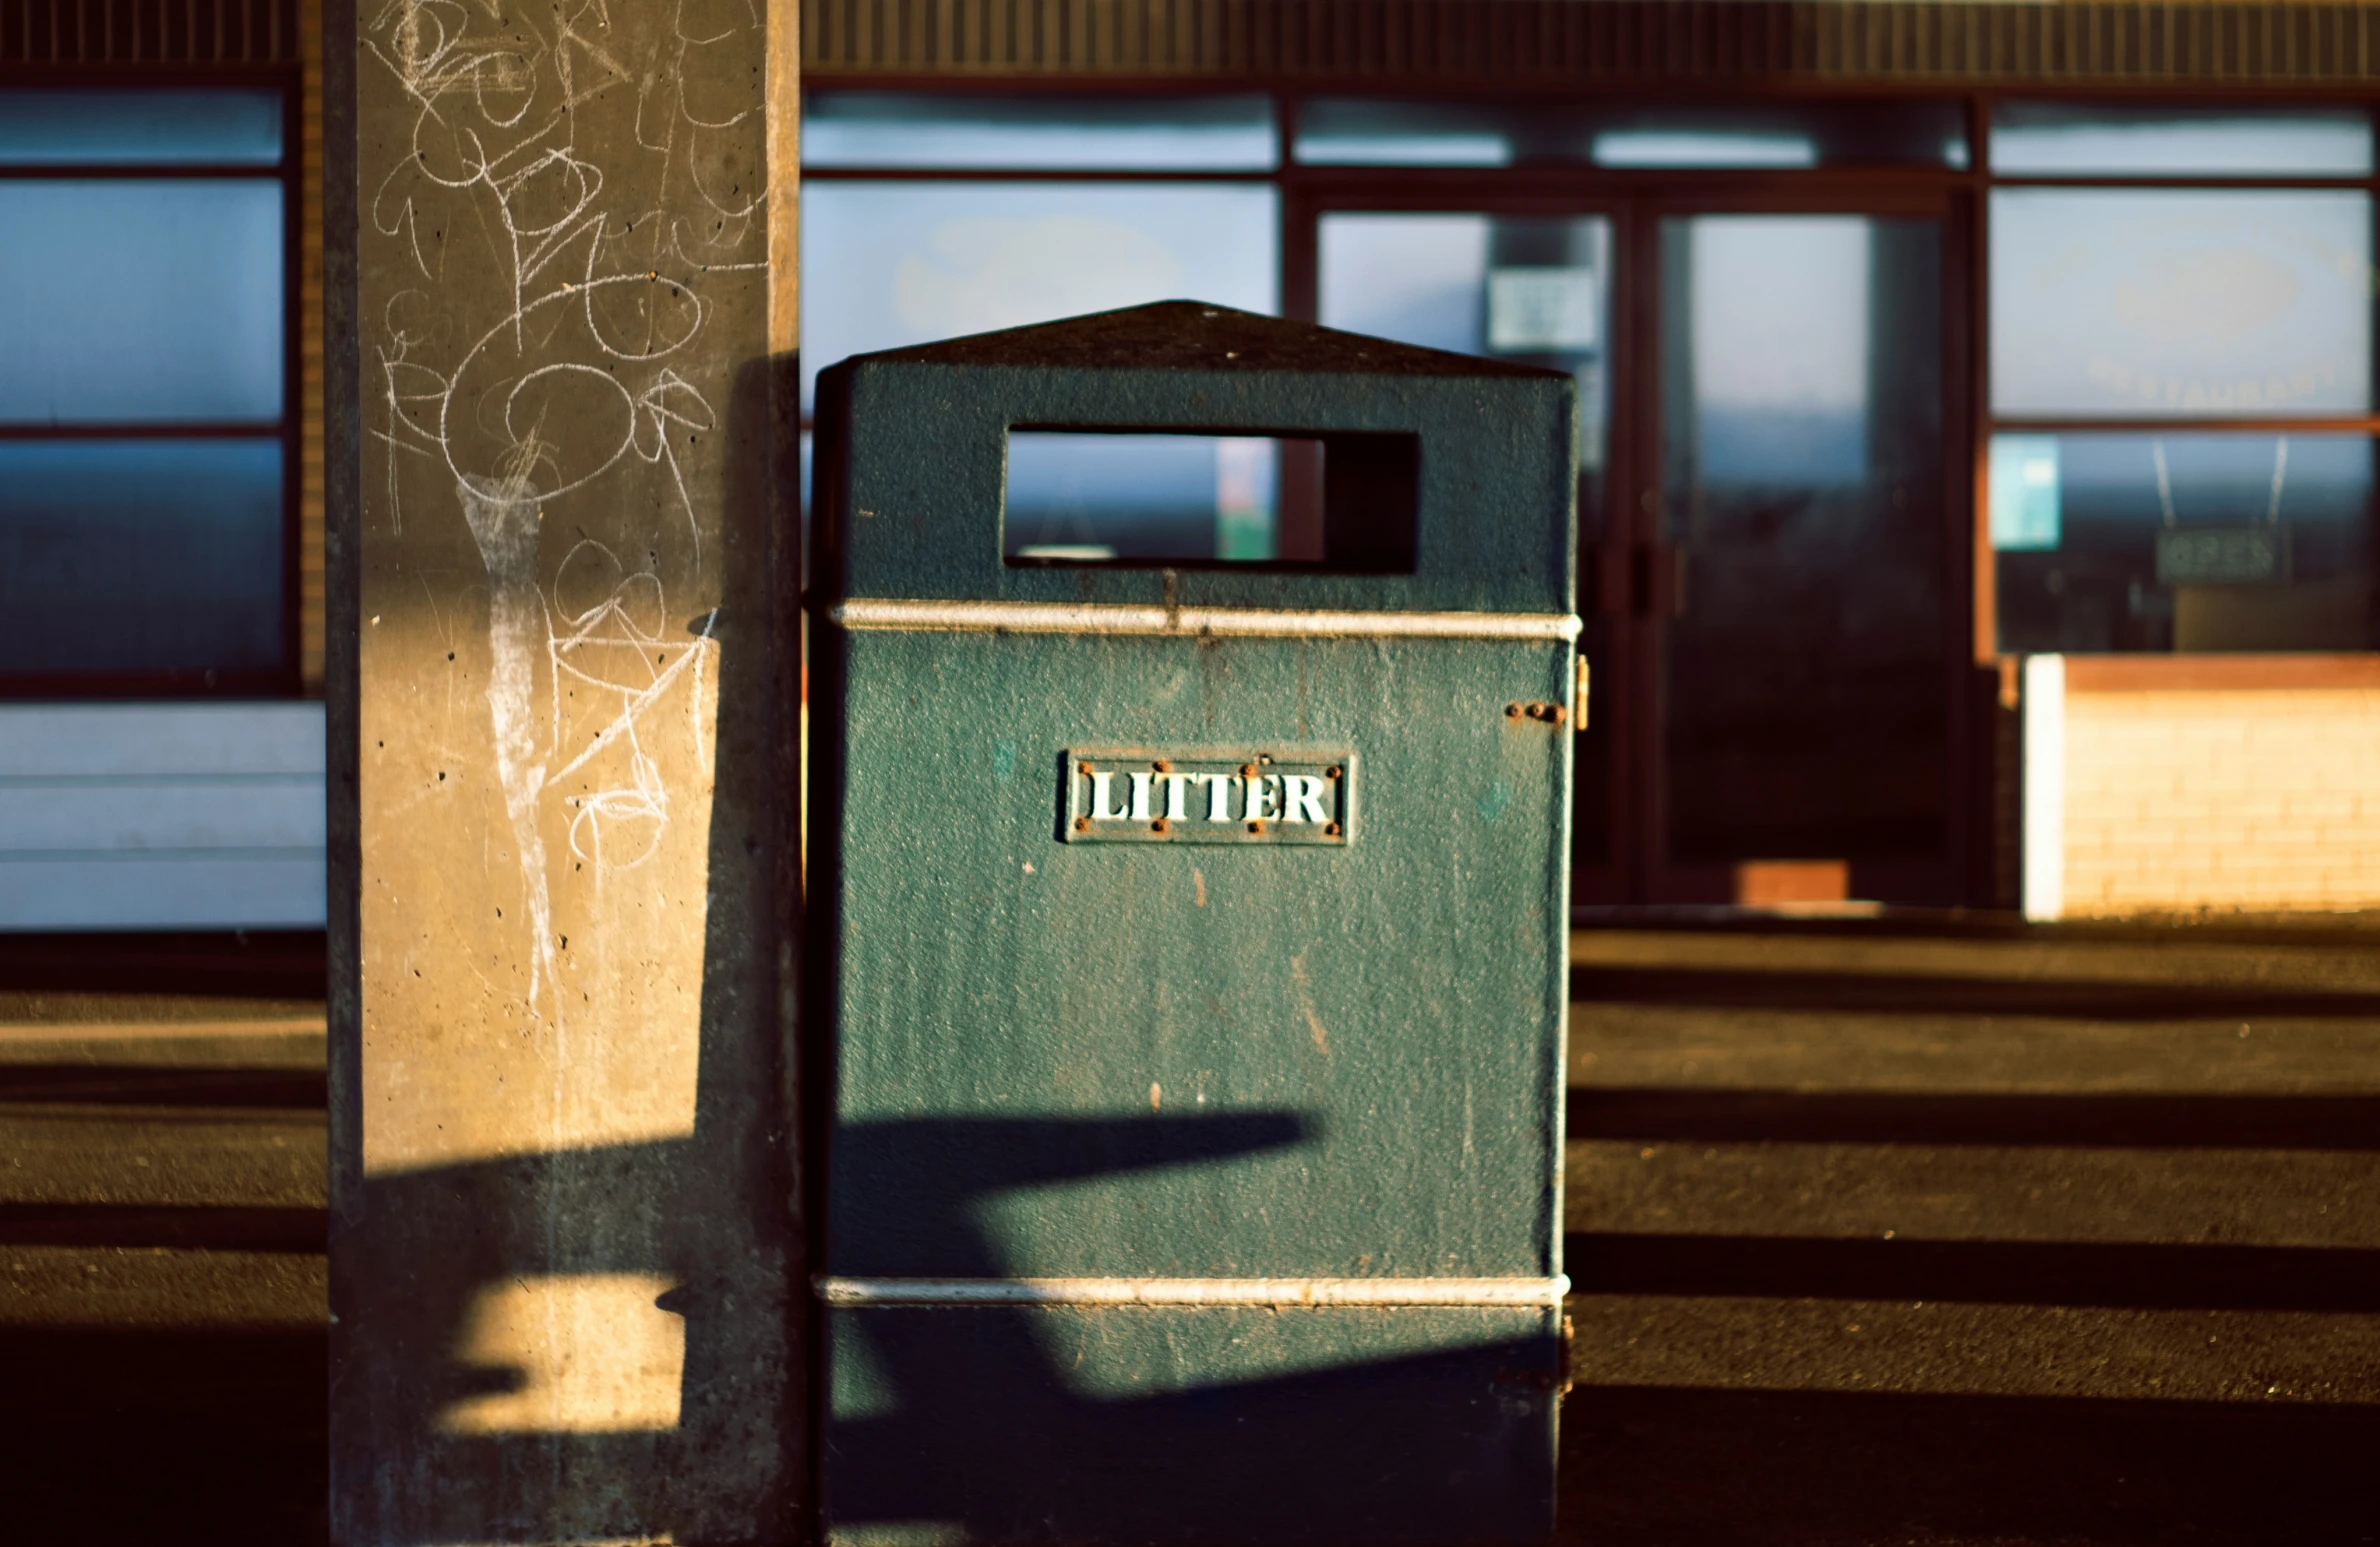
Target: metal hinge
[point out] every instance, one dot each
(1578, 697)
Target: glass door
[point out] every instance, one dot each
(1795, 562)
(1772, 522)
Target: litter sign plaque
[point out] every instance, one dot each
(1156, 795)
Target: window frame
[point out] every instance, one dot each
(1307, 190)
(285, 81)
(1989, 424)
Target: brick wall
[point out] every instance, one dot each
(2221, 783)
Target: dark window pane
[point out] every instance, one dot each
(238, 127)
(140, 556)
(2198, 542)
(135, 300)
(2141, 303)
(1803, 693)
(1350, 131)
(889, 264)
(1142, 134)
(2059, 139)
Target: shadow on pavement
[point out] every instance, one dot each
(2158, 1276)
(1659, 1467)
(2308, 1122)
(1926, 994)
(184, 1437)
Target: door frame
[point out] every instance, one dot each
(1624, 582)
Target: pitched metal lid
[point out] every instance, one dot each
(1194, 335)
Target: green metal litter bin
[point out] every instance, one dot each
(1186, 972)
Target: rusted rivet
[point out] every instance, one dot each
(1082, 768)
(1082, 824)
(1331, 772)
(1158, 826)
(1162, 766)
(1331, 828)
(1511, 712)
(1555, 714)
(1247, 770)
(1256, 827)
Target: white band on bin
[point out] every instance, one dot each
(1194, 1291)
(1237, 622)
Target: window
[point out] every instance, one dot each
(145, 417)
(891, 263)
(881, 130)
(1344, 131)
(1532, 290)
(2179, 298)
(2181, 379)
(930, 217)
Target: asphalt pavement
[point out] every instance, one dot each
(1880, 1234)
(163, 1283)
(1983, 1237)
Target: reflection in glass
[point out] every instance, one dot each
(1096, 134)
(140, 556)
(1363, 132)
(1533, 291)
(2190, 542)
(1803, 699)
(890, 264)
(2059, 139)
(238, 126)
(1672, 148)
(2141, 303)
(1092, 498)
(131, 300)
(1529, 290)
(1358, 131)
(1780, 345)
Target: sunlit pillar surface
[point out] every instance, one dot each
(562, 1224)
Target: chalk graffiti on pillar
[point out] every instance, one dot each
(600, 180)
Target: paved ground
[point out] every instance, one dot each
(162, 1279)
(2040, 1239)
(1880, 1237)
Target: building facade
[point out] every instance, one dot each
(1921, 348)
(1916, 342)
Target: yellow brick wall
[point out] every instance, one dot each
(2258, 800)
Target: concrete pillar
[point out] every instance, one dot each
(562, 555)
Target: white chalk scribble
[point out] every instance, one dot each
(534, 414)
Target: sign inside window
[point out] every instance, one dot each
(2024, 492)
(1542, 310)
(2223, 555)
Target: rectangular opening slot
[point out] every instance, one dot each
(1131, 499)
